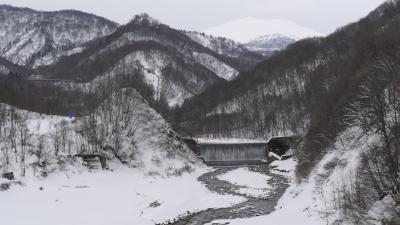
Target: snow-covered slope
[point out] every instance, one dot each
(94, 47)
(221, 45)
(268, 44)
(33, 38)
(121, 197)
(176, 66)
(323, 197)
(160, 69)
(249, 28)
(147, 166)
(124, 129)
(219, 68)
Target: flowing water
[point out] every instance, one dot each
(251, 208)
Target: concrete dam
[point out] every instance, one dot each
(229, 152)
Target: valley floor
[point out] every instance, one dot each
(261, 186)
(125, 196)
(102, 198)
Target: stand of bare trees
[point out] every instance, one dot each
(116, 124)
(115, 128)
(377, 112)
(16, 139)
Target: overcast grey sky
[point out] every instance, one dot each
(321, 15)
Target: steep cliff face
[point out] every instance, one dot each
(34, 38)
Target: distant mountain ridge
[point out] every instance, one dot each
(263, 36)
(176, 66)
(221, 45)
(90, 51)
(306, 89)
(33, 38)
(268, 44)
(247, 29)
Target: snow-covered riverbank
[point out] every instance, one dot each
(104, 198)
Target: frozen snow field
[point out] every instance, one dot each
(122, 197)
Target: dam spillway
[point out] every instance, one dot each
(232, 152)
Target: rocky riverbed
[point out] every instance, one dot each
(254, 206)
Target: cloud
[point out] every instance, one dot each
(321, 15)
(281, 6)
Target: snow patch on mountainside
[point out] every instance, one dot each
(28, 44)
(271, 37)
(151, 65)
(270, 43)
(219, 45)
(219, 68)
(247, 29)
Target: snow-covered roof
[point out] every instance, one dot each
(229, 141)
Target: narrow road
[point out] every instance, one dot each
(251, 208)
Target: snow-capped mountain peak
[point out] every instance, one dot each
(268, 44)
(270, 37)
(247, 29)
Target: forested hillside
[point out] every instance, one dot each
(304, 90)
(35, 144)
(341, 95)
(33, 38)
(77, 89)
(174, 65)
